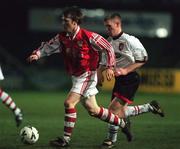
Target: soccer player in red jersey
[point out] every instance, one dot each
(80, 49)
(8, 101)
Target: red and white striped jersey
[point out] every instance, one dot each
(80, 52)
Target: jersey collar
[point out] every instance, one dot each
(116, 37)
(76, 32)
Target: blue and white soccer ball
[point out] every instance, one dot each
(29, 135)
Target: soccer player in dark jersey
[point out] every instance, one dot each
(80, 49)
(130, 55)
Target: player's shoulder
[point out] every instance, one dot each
(129, 38)
(84, 34)
(87, 32)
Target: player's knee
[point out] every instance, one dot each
(68, 104)
(92, 112)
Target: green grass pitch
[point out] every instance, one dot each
(45, 111)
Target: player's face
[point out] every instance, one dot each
(69, 25)
(112, 27)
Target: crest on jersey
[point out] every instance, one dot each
(121, 46)
(80, 43)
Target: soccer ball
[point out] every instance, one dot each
(29, 135)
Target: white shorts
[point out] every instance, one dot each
(1, 74)
(85, 84)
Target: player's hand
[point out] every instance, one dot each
(109, 74)
(120, 71)
(100, 77)
(33, 57)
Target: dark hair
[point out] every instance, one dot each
(74, 13)
(112, 16)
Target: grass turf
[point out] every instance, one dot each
(45, 111)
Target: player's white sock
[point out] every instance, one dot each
(67, 138)
(112, 132)
(107, 116)
(17, 111)
(69, 123)
(7, 100)
(136, 110)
